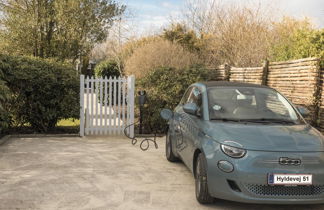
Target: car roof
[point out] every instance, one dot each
(230, 84)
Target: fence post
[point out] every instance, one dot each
(227, 69)
(131, 101)
(265, 72)
(81, 105)
(317, 95)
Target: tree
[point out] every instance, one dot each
(120, 50)
(296, 39)
(159, 53)
(180, 34)
(235, 34)
(309, 44)
(120, 33)
(55, 28)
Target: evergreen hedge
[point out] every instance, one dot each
(41, 91)
(165, 87)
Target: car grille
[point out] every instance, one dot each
(267, 190)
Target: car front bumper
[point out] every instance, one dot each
(248, 181)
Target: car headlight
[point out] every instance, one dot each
(233, 152)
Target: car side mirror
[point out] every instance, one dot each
(190, 108)
(166, 114)
(303, 111)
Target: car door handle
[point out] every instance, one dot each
(177, 129)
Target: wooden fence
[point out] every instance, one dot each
(301, 81)
(320, 101)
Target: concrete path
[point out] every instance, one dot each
(97, 173)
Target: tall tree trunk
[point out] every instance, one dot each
(41, 47)
(49, 37)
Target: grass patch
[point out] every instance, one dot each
(68, 122)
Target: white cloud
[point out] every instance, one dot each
(302, 8)
(151, 24)
(167, 4)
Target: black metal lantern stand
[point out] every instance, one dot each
(141, 102)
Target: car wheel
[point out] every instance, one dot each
(168, 149)
(202, 193)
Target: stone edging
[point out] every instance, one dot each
(7, 137)
(43, 135)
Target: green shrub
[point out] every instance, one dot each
(4, 96)
(181, 34)
(302, 43)
(108, 68)
(165, 87)
(43, 91)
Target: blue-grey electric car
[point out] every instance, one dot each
(246, 143)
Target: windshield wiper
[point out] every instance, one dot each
(227, 119)
(269, 120)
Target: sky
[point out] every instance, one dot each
(150, 16)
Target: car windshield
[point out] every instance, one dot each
(250, 104)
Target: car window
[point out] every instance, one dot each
(243, 103)
(186, 96)
(196, 97)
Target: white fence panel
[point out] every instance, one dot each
(106, 105)
(82, 105)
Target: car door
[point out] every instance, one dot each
(190, 127)
(178, 123)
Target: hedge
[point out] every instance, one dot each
(42, 91)
(4, 96)
(107, 68)
(165, 87)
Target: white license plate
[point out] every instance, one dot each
(290, 179)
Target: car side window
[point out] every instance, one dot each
(195, 97)
(185, 97)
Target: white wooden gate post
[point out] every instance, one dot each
(81, 105)
(131, 90)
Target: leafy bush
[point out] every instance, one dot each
(4, 95)
(181, 34)
(108, 68)
(165, 87)
(43, 91)
(159, 53)
(303, 42)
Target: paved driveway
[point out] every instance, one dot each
(97, 173)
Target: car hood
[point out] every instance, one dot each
(265, 137)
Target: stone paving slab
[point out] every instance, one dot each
(97, 173)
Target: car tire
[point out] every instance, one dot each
(168, 149)
(201, 186)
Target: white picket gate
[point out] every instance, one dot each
(106, 105)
